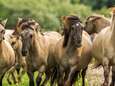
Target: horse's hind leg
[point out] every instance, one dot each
(113, 77)
(83, 73)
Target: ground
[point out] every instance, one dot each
(94, 77)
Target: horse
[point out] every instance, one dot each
(72, 51)
(103, 50)
(7, 60)
(95, 23)
(37, 47)
(20, 65)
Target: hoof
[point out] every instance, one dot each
(104, 84)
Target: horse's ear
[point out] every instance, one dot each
(62, 17)
(113, 10)
(3, 22)
(19, 19)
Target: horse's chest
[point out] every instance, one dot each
(109, 52)
(69, 61)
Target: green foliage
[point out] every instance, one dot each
(46, 12)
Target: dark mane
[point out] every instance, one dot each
(66, 31)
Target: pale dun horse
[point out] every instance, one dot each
(95, 23)
(17, 71)
(36, 46)
(72, 51)
(7, 55)
(104, 50)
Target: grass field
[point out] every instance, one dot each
(25, 82)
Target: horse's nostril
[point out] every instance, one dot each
(24, 53)
(79, 41)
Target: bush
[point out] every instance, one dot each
(46, 12)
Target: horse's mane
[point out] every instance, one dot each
(66, 31)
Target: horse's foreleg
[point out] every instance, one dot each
(66, 75)
(14, 77)
(60, 75)
(106, 68)
(8, 78)
(31, 78)
(72, 77)
(39, 77)
(48, 74)
(1, 79)
(113, 76)
(83, 76)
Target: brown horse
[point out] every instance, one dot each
(72, 51)
(36, 46)
(7, 60)
(94, 24)
(104, 50)
(20, 66)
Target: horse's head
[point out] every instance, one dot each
(15, 42)
(95, 23)
(27, 36)
(25, 23)
(2, 29)
(72, 29)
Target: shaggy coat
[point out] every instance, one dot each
(38, 47)
(7, 55)
(104, 50)
(94, 24)
(72, 52)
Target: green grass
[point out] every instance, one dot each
(25, 81)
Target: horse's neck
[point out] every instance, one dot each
(70, 48)
(2, 46)
(103, 25)
(113, 28)
(38, 45)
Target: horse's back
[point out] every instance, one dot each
(53, 34)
